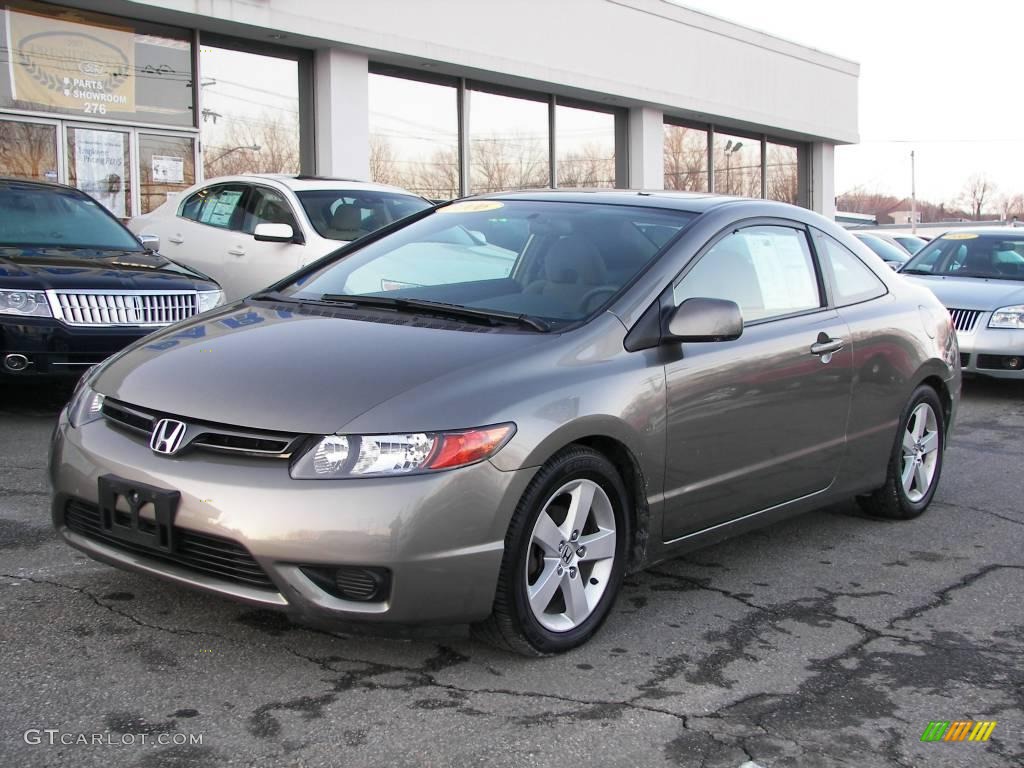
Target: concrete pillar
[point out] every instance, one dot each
(341, 113)
(823, 179)
(646, 148)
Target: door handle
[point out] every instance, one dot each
(237, 251)
(826, 345)
(176, 239)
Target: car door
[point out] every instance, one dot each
(254, 264)
(760, 421)
(201, 232)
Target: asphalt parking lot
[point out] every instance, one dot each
(827, 640)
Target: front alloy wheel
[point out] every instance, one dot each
(572, 551)
(565, 556)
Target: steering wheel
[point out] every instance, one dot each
(589, 296)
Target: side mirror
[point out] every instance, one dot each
(150, 242)
(273, 233)
(703, 320)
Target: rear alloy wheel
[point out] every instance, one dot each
(564, 557)
(916, 461)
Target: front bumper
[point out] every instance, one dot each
(984, 351)
(53, 348)
(441, 536)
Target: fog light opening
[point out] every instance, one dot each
(362, 584)
(1013, 363)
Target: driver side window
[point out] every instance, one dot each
(767, 270)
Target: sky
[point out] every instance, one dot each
(942, 79)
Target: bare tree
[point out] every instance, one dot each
(1011, 206)
(862, 200)
(383, 165)
(977, 193)
(508, 162)
(592, 166)
(686, 159)
(26, 150)
(269, 144)
(783, 181)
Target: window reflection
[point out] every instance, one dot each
(585, 147)
(28, 150)
(783, 173)
(166, 164)
(414, 136)
(250, 112)
(737, 165)
(508, 143)
(686, 158)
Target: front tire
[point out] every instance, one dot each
(916, 461)
(565, 556)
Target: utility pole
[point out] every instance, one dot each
(913, 196)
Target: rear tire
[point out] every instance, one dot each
(565, 557)
(916, 461)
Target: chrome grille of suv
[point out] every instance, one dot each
(964, 319)
(205, 435)
(154, 308)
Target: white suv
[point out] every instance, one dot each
(249, 231)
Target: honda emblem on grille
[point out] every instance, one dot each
(167, 436)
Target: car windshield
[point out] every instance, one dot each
(555, 261)
(58, 218)
(969, 254)
(887, 251)
(911, 243)
(345, 214)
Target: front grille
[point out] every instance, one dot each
(204, 435)
(964, 319)
(154, 308)
(210, 555)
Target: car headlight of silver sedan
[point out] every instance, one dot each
(1008, 317)
(24, 303)
(333, 457)
(86, 405)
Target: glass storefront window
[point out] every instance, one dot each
(98, 164)
(508, 143)
(783, 176)
(249, 121)
(414, 141)
(585, 147)
(28, 150)
(86, 64)
(166, 164)
(737, 165)
(686, 158)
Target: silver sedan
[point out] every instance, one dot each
(979, 276)
(409, 433)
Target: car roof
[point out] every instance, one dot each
(692, 202)
(302, 182)
(1018, 231)
(40, 184)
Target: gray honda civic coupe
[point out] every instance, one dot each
(491, 411)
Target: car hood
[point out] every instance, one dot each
(60, 268)
(972, 292)
(309, 370)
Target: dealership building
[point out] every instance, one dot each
(134, 100)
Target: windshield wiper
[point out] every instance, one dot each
(916, 272)
(493, 317)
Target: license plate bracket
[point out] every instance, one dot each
(157, 534)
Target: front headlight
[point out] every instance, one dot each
(1008, 317)
(341, 456)
(24, 303)
(86, 405)
(210, 299)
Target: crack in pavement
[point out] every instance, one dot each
(942, 597)
(978, 509)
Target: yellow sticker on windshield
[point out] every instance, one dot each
(959, 236)
(471, 206)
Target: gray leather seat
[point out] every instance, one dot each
(346, 223)
(573, 267)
